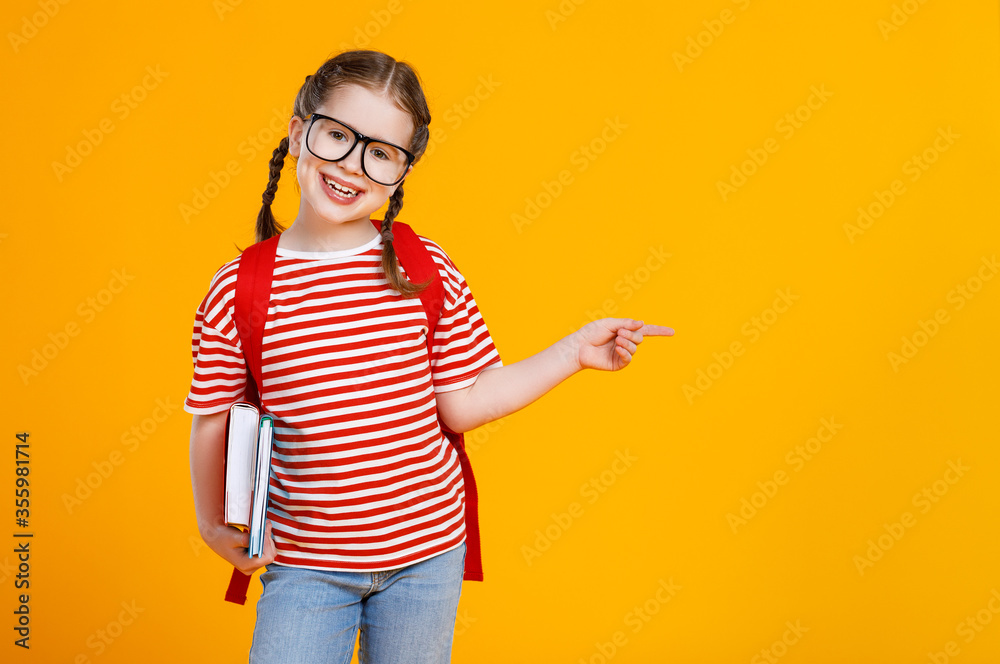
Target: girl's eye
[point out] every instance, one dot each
(337, 135)
(378, 153)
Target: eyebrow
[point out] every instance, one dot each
(377, 137)
(380, 138)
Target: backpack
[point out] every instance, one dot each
(253, 290)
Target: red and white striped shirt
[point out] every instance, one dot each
(362, 478)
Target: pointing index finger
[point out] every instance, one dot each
(649, 330)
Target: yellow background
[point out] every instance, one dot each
(558, 73)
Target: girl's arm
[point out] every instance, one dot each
(208, 482)
(607, 344)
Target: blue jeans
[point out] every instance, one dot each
(406, 615)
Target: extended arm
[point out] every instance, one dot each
(606, 344)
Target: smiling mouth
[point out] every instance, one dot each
(340, 189)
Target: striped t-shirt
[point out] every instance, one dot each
(362, 478)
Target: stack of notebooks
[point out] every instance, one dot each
(248, 465)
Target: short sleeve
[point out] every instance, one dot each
(219, 369)
(461, 346)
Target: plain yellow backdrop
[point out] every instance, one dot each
(815, 449)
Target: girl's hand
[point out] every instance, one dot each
(609, 343)
(231, 543)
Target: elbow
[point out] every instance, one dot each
(455, 410)
(455, 425)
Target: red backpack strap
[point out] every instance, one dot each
(253, 293)
(420, 266)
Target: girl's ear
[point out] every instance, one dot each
(295, 127)
(408, 169)
(403, 181)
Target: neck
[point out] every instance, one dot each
(310, 233)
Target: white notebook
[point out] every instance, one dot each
(249, 437)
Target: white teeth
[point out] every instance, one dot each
(340, 188)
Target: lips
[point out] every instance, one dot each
(340, 193)
(343, 183)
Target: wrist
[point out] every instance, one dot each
(569, 352)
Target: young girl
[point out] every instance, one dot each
(365, 527)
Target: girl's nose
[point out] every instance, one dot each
(352, 162)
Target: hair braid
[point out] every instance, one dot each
(267, 225)
(390, 264)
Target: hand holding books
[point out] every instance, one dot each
(242, 559)
(231, 543)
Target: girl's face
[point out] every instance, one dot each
(372, 115)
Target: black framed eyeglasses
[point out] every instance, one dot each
(332, 140)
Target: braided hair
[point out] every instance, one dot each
(267, 226)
